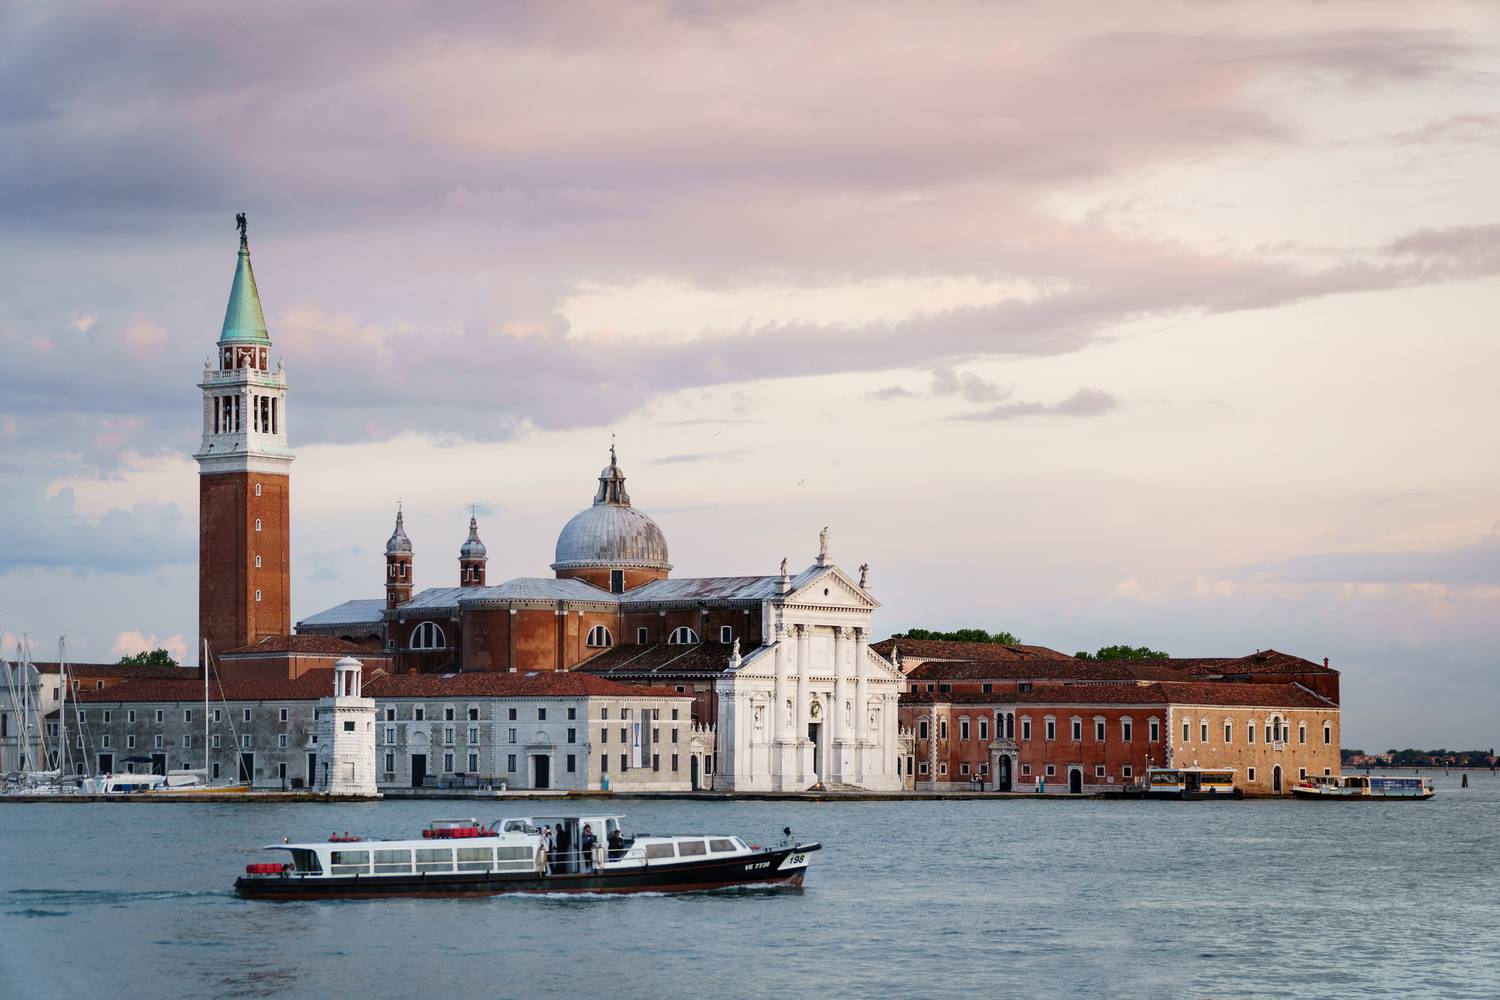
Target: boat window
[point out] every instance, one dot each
(434, 859)
(391, 862)
(514, 858)
(304, 860)
(690, 848)
(475, 859)
(351, 862)
(655, 851)
(718, 846)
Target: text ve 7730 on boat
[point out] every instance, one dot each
(567, 854)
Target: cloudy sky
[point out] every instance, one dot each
(1109, 323)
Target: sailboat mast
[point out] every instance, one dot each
(63, 753)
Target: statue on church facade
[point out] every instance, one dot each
(864, 575)
(823, 546)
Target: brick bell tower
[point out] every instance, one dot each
(244, 521)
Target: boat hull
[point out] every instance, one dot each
(783, 867)
(1360, 796)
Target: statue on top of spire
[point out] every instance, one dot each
(239, 223)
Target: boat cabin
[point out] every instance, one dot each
(1190, 781)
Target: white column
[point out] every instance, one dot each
(804, 701)
(778, 707)
(841, 727)
(861, 681)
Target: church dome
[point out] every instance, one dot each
(611, 533)
(399, 544)
(473, 548)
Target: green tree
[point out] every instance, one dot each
(960, 635)
(155, 658)
(1124, 653)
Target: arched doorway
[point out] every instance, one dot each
(1276, 779)
(1075, 781)
(1002, 777)
(693, 769)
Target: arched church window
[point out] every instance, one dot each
(599, 636)
(682, 636)
(427, 636)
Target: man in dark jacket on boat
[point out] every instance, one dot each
(587, 843)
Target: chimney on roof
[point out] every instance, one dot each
(1325, 663)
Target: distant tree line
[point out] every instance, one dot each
(155, 658)
(1003, 638)
(1124, 653)
(961, 635)
(1441, 757)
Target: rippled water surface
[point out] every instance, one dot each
(910, 899)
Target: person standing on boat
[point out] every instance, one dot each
(616, 845)
(546, 850)
(587, 842)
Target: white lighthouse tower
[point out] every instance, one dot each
(346, 734)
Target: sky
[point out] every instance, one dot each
(1147, 323)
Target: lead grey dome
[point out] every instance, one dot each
(611, 533)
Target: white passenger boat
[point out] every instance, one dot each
(1363, 786)
(1191, 783)
(566, 854)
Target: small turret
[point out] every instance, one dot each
(472, 556)
(398, 564)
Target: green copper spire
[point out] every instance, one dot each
(243, 320)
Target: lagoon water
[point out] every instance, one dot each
(910, 899)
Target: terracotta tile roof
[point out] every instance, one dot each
(498, 684)
(313, 684)
(307, 645)
(1217, 693)
(664, 660)
(133, 670)
(935, 671)
(941, 649)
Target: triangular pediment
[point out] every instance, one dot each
(829, 586)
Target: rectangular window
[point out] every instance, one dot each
(473, 714)
(1051, 770)
(448, 714)
(603, 762)
(1126, 730)
(419, 714)
(624, 734)
(1301, 734)
(656, 762)
(511, 734)
(473, 734)
(510, 763)
(1077, 730)
(130, 715)
(572, 736)
(349, 726)
(390, 763)
(246, 714)
(541, 715)
(640, 636)
(984, 727)
(283, 715)
(390, 715)
(603, 734)
(1250, 774)
(1098, 770)
(473, 762)
(963, 769)
(448, 735)
(245, 739)
(624, 762)
(1203, 732)
(187, 741)
(1126, 771)
(158, 715)
(1098, 730)
(156, 741)
(942, 729)
(1327, 734)
(604, 713)
(216, 741)
(963, 729)
(448, 761)
(1051, 730)
(1302, 774)
(130, 742)
(104, 741)
(1155, 730)
(187, 715)
(922, 729)
(674, 762)
(572, 714)
(986, 688)
(1249, 732)
(1026, 729)
(572, 763)
(390, 736)
(1228, 732)
(281, 740)
(1187, 730)
(942, 769)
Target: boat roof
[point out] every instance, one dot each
(1192, 767)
